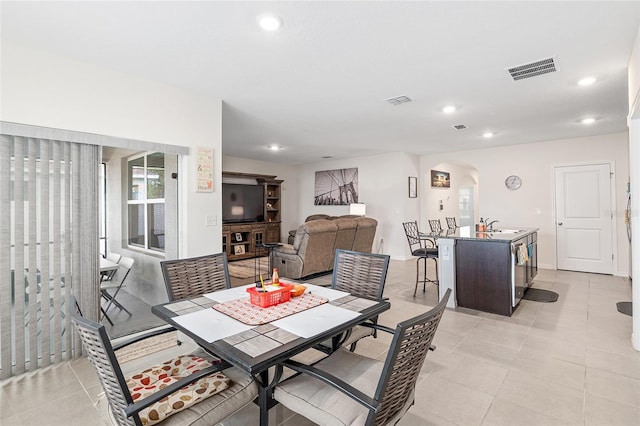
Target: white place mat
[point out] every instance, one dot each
(315, 320)
(230, 294)
(211, 325)
(325, 292)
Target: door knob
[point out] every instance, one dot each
(559, 223)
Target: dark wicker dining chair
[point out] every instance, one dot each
(338, 389)
(186, 278)
(423, 248)
(362, 275)
(126, 407)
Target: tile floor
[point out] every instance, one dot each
(563, 363)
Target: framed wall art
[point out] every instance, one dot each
(336, 187)
(413, 187)
(440, 179)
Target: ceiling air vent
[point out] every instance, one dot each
(459, 126)
(533, 69)
(398, 100)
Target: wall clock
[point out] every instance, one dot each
(513, 182)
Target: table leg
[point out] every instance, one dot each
(270, 254)
(265, 392)
(263, 400)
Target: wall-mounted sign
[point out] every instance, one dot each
(204, 169)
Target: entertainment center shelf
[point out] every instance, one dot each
(242, 238)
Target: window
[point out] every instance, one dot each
(146, 202)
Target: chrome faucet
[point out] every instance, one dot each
(490, 225)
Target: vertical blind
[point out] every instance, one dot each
(48, 249)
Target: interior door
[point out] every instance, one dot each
(584, 218)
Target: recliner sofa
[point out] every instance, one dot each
(315, 243)
(292, 233)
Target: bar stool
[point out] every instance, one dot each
(418, 245)
(435, 225)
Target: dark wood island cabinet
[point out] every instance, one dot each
(490, 271)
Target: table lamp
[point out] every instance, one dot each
(358, 209)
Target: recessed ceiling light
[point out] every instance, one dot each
(274, 147)
(589, 120)
(269, 22)
(449, 109)
(487, 135)
(587, 81)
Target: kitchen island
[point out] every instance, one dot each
(487, 271)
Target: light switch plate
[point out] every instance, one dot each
(212, 220)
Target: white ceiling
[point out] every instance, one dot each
(317, 87)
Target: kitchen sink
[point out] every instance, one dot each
(504, 231)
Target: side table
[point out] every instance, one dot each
(256, 263)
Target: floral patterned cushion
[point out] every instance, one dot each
(158, 377)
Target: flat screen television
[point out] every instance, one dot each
(242, 203)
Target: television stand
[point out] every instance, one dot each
(245, 240)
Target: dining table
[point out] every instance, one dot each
(226, 324)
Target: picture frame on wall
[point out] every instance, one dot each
(413, 187)
(440, 179)
(336, 187)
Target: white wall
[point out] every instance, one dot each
(532, 204)
(460, 175)
(41, 89)
(383, 185)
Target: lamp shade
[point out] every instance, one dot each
(359, 209)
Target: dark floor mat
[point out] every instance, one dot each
(624, 307)
(540, 295)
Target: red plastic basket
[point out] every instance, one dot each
(270, 298)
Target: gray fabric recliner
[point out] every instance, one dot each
(311, 252)
(292, 233)
(366, 232)
(316, 241)
(346, 233)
